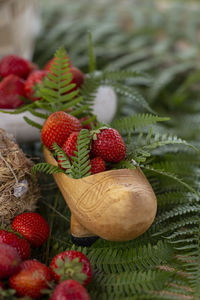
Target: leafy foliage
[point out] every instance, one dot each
(164, 262)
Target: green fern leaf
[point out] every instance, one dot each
(63, 159)
(46, 168)
(81, 161)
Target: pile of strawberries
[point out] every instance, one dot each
(68, 273)
(20, 78)
(63, 129)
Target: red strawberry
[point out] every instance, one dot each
(11, 88)
(33, 79)
(32, 278)
(70, 145)
(71, 264)
(33, 227)
(9, 260)
(70, 290)
(97, 165)
(47, 67)
(109, 145)
(21, 245)
(13, 64)
(58, 127)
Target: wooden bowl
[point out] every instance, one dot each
(116, 205)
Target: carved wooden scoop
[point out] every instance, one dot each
(116, 205)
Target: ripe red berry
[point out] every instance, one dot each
(33, 227)
(70, 144)
(13, 64)
(62, 269)
(109, 145)
(70, 290)
(21, 245)
(58, 127)
(9, 261)
(33, 79)
(32, 278)
(11, 89)
(97, 165)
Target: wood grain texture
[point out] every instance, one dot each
(117, 205)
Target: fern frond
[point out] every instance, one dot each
(146, 143)
(81, 161)
(33, 123)
(133, 94)
(129, 124)
(123, 258)
(63, 159)
(170, 175)
(135, 284)
(46, 168)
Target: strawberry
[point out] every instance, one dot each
(33, 79)
(70, 290)
(9, 260)
(31, 279)
(97, 165)
(11, 88)
(109, 145)
(21, 245)
(58, 127)
(71, 264)
(13, 64)
(70, 145)
(32, 226)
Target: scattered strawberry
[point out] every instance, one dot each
(13, 64)
(58, 127)
(71, 264)
(49, 64)
(33, 79)
(109, 145)
(32, 226)
(11, 88)
(97, 165)
(70, 145)
(70, 290)
(21, 245)
(32, 278)
(9, 260)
